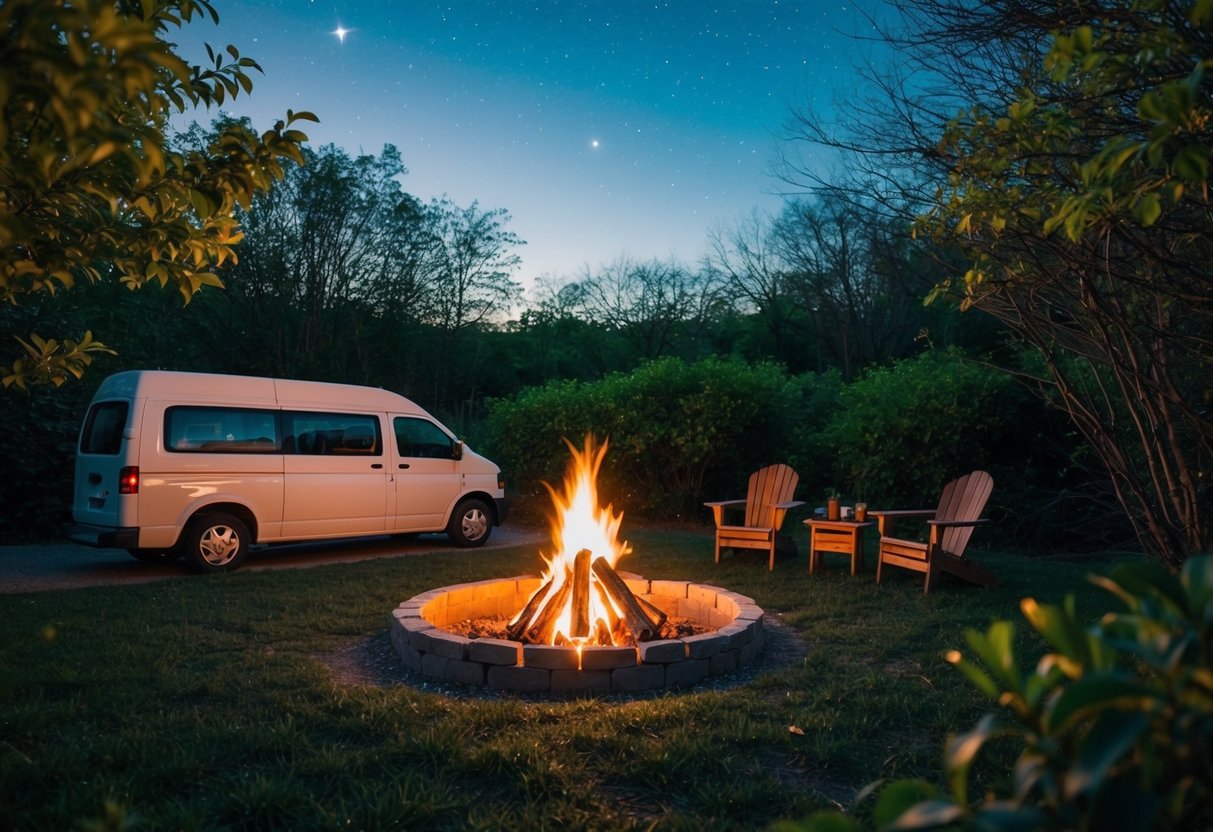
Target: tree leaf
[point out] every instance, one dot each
(1095, 693)
(899, 797)
(929, 814)
(1147, 209)
(1109, 739)
(1192, 163)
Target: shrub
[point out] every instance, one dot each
(1115, 725)
(38, 458)
(677, 431)
(901, 432)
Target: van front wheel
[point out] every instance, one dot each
(470, 523)
(216, 542)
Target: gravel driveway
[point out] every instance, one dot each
(69, 566)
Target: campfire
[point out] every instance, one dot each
(582, 601)
(582, 627)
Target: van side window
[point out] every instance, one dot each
(220, 430)
(331, 434)
(421, 438)
(103, 426)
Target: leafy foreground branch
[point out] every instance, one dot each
(90, 189)
(1116, 724)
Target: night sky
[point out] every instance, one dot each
(605, 128)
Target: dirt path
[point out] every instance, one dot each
(51, 566)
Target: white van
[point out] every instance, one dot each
(206, 465)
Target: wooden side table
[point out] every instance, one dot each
(841, 536)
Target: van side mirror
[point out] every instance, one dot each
(457, 449)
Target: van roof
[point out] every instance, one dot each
(216, 388)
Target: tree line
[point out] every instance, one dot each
(342, 274)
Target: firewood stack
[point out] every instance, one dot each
(537, 621)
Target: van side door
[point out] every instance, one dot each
(427, 474)
(336, 476)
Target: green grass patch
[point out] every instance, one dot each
(206, 703)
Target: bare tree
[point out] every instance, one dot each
(648, 304)
(827, 275)
(335, 245)
(854, 279)
(473, 291)
(746, 262)
(476, 263)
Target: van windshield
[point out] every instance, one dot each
(103, 426)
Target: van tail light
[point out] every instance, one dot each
(128, 480)
(501, 481)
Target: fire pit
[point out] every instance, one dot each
(421, 639)
(583, 626)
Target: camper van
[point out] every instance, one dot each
(204, 466)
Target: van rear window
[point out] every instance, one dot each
(103, 427)
(221, 430)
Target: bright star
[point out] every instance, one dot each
(594, 143)
(341, 32)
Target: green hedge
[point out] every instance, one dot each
(684, 433)
(679, 433)
(38, 457)
(901, 432)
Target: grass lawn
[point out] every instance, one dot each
(207, 703)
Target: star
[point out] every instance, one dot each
(594, 143)
(340, 32)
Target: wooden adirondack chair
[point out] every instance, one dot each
(768, 499)
(951, 526)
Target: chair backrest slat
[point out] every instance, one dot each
(773, 484)
(963, 499)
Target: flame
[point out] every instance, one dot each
(578, 523)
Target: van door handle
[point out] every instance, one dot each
(376, 464)
(402, 466)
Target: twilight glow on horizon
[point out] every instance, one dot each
(606, 129)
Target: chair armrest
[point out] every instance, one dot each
(884, 519)
(781, 510)
(718, 507)
(958, 523)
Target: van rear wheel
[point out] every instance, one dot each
(470, 523)
(216, 542)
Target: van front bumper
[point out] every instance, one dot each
(102, 537)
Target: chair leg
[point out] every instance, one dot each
(879, 564)
(932, 576)
(718, 548)
(771, 567)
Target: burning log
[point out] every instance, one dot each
(541, 631)
(655, 612)
(579, 625)
(536, 623)
(518, 625)
(639, 624)
(602, 632)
